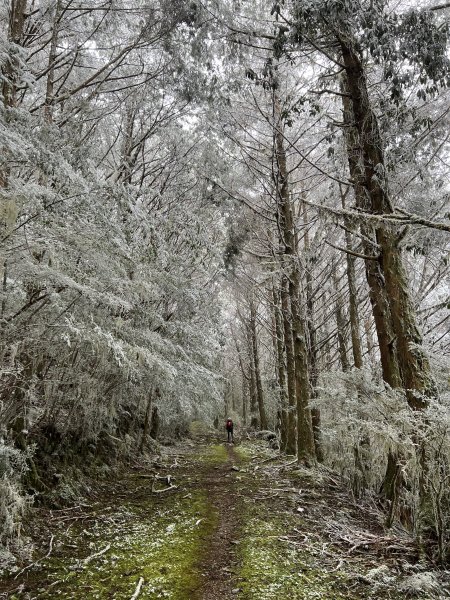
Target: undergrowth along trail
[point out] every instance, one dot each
(208, 521)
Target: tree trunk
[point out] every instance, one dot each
(403, 360)
(290, 417)
(312, 343)
(259, 388)
(148, 412)
(369, 340)
(305, 438)
(252, 383)
(280, 366)
(49, 94)
(245, 383)
(245, 387)
(353, 299)
(374, 274)
(413, 364)
(154, 429)
(10, 71)
(340, 321)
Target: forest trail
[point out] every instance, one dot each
(230, 522)
(220, 560)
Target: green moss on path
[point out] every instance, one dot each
(160, 538)
(253, 532)
(274, 569)
(216, 455)
(163, 549)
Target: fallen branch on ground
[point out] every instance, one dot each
(37, 561)
(166, 478)
(87, 560)
(137, 591)
(167, 489)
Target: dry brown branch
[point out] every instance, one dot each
(351, 252)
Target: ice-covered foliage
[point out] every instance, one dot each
(13, 465)
(110, 249)
(363, 420)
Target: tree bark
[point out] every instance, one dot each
(340, 321)
(245, 383)
(148, 412)
(252, 383)
(259, 388)
(374, 274)
(369, 340)
(280, 364)
(413, 365)
(245, 387)
(305, 438)
(353, 299)
(49, 93)
(11, 67)
(290, 417)
(10, 71)
(404, 362)
(154, 429)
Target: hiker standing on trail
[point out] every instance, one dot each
(229, 428)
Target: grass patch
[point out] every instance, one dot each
(160, 538)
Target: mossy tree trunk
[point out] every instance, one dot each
(374, 274)
(10, 68)
(252, 382)
(404, 362)
(148, 418)
(413, 364)
(52, 59)
(290, 417)
(245, 383)
(352, 297)
(155, 422)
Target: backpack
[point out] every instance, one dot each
(229, 424)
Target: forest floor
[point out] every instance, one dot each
(230, 522)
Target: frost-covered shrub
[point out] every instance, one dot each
(361, 416)
(13, 465)
(363, 420)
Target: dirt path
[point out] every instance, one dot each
(220, 561)
(179, 541)
(263, 530)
